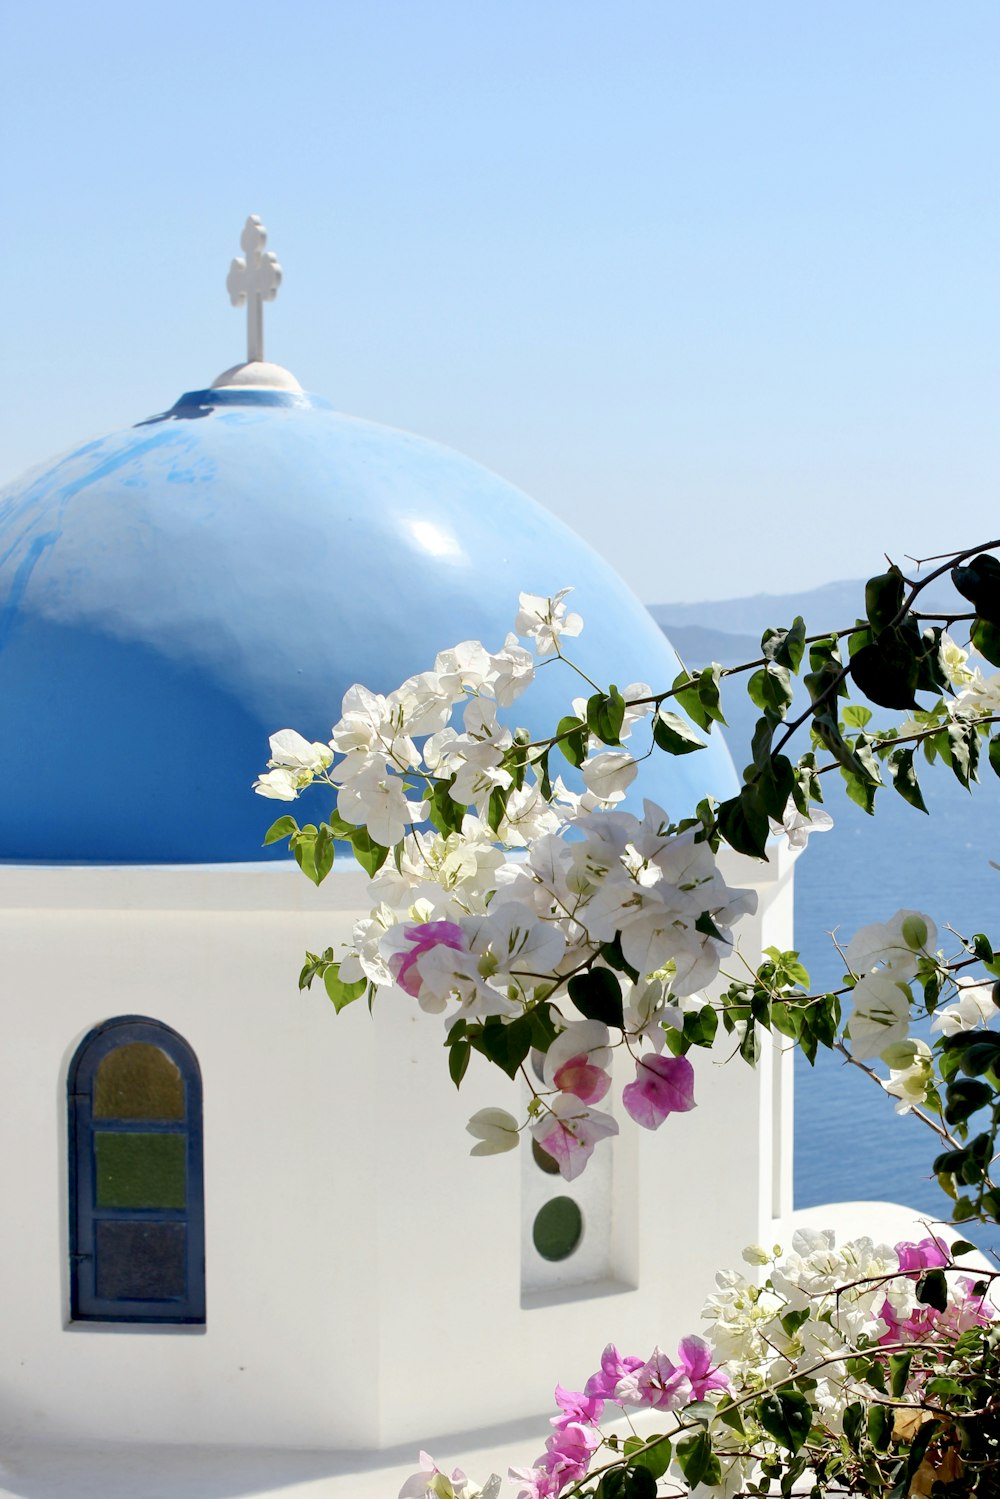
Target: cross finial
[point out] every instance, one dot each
(254, 281)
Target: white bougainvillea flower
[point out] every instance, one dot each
(880, 1014)
(464, 669)
(495, 1130)
(364, 723)
(798, 826)
(895, 945)
(953, 660)
(420, 705)
(512, 669)
(980, 695)
(291, 750)
(911, 1071)
(975, 1007)
(512, 946)
(432, 1480)
(545, 621)
(280, 785)
(364, 959)
(609, 775)
(635, 710)
(378, 801)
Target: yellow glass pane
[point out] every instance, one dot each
(138, 1081)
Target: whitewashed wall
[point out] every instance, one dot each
(354, 1249)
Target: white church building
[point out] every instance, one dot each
(246, 1249)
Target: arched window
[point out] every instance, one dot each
(137, 1216)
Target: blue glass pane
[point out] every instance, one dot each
(140, 1261)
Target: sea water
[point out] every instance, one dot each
(849, 1142)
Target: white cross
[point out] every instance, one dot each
(254, 281)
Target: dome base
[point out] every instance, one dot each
(258, 373)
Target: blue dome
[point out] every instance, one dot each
(174, 593)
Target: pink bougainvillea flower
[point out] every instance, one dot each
(535, 1482)
(568, 1454)
(663, 1085)
(696, 1360)
(614, 1367)
(925, 1254)
(577, 1406)
(422, 938)
(568, 1132)
(659, 1384)
(578, 1059)
(565, 1460)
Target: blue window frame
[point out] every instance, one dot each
(136, 1176)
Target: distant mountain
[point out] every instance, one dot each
(697, 646)
(729, 630)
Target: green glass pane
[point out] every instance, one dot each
(138, 1081)
(140, 1170)
(546, 1162)
(557, 1229)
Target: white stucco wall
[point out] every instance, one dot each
(353, 1247)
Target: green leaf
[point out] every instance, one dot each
(639, 1484)
(340, 827)
(341, 994)
(981, 1056)
(963, 751)
(700, 1026)
(886, 671)
(985, 636)
(285, 827)
(313, 850)
(964, 1098)
(786, 1415)
(505, 1044)
(742, 821)
(750, 1045)
(446, 813)
(828, 733)
(771, 689)
(879, 1427)
(853, 1421)
(855, 716)
(942, 1385)
(697, 1461)
(962, 1246)
(612, 954)
(597, 994)
(655, 1457)
(612, 1485)
(605, 715)
(884, 598)
(369, 854)
(571, 736)
(458, 1061)
(786, 647)
(904, 778)
(699, 695)
(932, 1290)
(979, 582)
(673, 735)
(899, 1373)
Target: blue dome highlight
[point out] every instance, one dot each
(172, 594)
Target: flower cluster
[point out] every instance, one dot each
(887, 957)
(523, 903)
(790, 1357)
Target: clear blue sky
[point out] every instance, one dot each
(715, 282)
